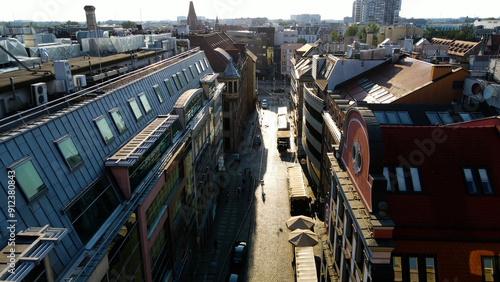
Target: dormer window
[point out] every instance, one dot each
(477, 181)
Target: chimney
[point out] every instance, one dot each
(91, 21)
(440, 70)
(369, 39)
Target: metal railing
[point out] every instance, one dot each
(24, 117)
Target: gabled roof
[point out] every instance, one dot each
(457, 47)
(210, 42)
(230, 71)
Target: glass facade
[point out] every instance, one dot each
(92, 209)
(145, 102)
(160, 256)
(193, 107)
(27, 178)
(69, 152)
(104, 129)
(159, 205)
(124, 255)
(118, 120)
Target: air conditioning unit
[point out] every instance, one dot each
(474, 86)
(39, 92)
(80, 80)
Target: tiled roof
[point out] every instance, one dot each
(445, 209)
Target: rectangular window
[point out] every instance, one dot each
(159, 94)
(186, 75)
(27, 178)
(69, 152)
(202, 66)
(170, 89)
(386, 174)
(104, 129)
(413, 269)
(135, 108)
(433, 118)
(469, 181)
(118, 120)
(489, 269)
(182, 79)
(197, 68)
(401, 179)
(191, 69)
(92, 209)
(176, 81)
(392, 117)
(445, 117)
(145, 102)
(477, 115)
(398, 269)
(415, 179)
(380, 117)
(430, 270)
(405, 118)
(465, 116)
(485, 181)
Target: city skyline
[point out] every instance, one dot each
(64, 10)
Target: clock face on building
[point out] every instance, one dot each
(357, 158)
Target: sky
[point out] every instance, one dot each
(137, 10)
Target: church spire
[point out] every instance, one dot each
(192, 20)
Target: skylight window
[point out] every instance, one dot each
(104, 129)
(159, 94)
(135, 108)
(145, 102)
(69, 152)
(170, 89)
(118, 120)
(27, 178)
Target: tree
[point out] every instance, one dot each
(72, 23)
(466, 33)
(283, 23)
(129, 24)
(352, 30)
(301, 40)
(369, 27)
(334, 35)
(430, 32)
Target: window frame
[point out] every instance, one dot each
(145, 102)
(111, 113)
(131, 102)
(170, 88)
(159, 93)
(58, 143)
(41, 190)
(395, 175)
(477, 181)
(106, 124)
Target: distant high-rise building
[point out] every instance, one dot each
(192, 20)
(376, 11)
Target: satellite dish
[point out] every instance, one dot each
(489, 92)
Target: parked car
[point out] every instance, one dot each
(264, 104)
(239, 254)
(233, 278)
(257, 141)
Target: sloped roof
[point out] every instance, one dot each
(390, 82)
(251, 55)
(457, 47)
(445, 209)
(230, 71)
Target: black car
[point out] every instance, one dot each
(239, 254)
(257, 140)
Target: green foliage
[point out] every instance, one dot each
(283, 23)
(334, 35)
(301, 40)
(129, 24)
(466, 33)
(352, 30)
(72, 23)
(369, 27)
